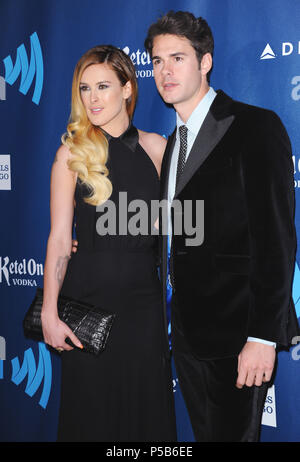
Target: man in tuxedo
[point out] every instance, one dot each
(231, 296)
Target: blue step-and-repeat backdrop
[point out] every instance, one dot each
(257, 60)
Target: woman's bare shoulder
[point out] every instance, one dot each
(60, 164)
(63, 154)
(153, 143)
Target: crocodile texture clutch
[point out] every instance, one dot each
(90, 324)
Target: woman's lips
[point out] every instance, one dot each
(96, 110)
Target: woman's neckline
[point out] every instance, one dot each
(129, 137)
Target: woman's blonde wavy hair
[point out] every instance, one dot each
(87, 143)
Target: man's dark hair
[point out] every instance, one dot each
(183, 24)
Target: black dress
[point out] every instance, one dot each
(125, 393)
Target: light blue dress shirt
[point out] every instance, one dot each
(193, 125)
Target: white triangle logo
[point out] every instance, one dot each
(268, 53)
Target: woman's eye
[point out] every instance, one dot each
(83, 88)
(102, 86)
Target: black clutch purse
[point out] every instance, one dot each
(91, 325)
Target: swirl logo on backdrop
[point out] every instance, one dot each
(142, 62)
(36, 373)
(30, 71)
(20, 273)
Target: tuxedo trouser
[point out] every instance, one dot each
(218, 410)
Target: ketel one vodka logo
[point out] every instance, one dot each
(36, 373)
(28, 70)
(141, 60)
(20, 273)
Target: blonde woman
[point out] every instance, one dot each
(125, 393)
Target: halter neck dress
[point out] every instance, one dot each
(125, 393)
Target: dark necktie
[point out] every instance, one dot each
(180, 166)
(182, 151)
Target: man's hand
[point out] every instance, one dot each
(255, 364)
(74, 246)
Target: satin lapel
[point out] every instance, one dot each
(210, 134)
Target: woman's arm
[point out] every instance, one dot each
(63, 183)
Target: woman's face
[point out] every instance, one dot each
(104, 98)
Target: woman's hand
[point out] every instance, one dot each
(56, 331)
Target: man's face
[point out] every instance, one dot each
(179, 78)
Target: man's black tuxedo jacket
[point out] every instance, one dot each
(238, 283)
